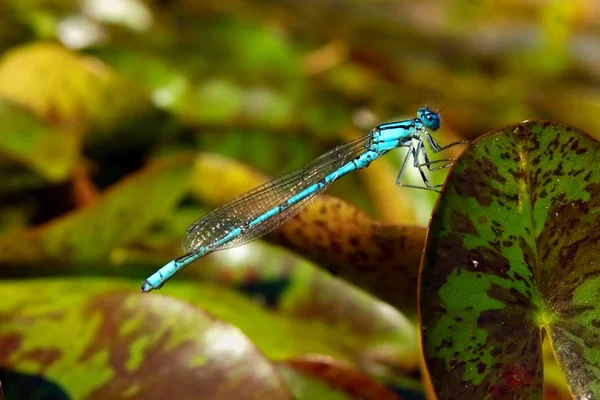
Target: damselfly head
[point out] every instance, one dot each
(430, 118)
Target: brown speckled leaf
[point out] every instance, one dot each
(379, 258)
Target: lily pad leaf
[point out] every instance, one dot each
(280, 335)
(512, 252)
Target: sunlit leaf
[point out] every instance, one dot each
(513, 248)
(78, 305)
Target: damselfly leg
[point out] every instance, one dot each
(414, 151)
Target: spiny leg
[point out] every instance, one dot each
(449, 162)
(404, 162)
(421, 149)
(412, 152)
(436, 148)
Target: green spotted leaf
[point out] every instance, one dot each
(384, 341)
(512, 258)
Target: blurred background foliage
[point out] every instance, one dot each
(123, 121)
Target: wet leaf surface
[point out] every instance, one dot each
(513, 248)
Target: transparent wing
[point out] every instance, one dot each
(250, 205)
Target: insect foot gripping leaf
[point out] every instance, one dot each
(513, 247)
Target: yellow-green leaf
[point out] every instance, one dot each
(89, 234)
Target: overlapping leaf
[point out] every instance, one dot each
(513, 248)
(297, 325)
